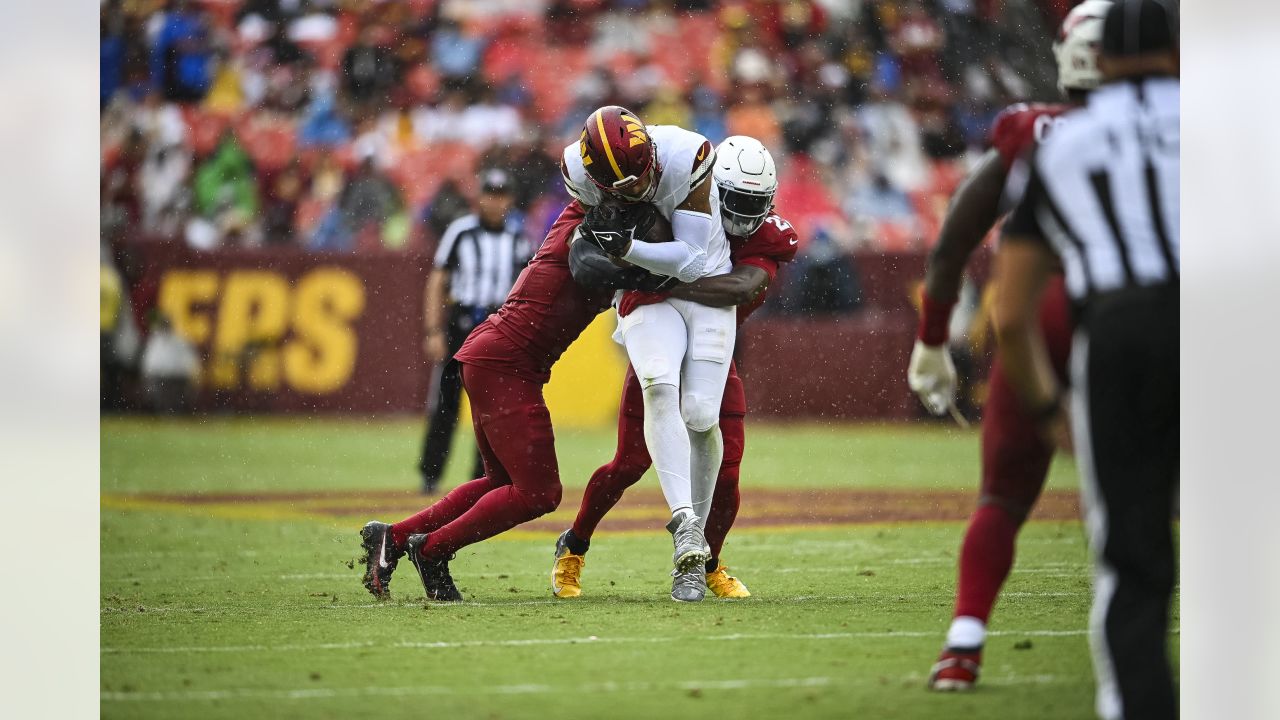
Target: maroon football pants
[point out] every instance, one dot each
(1015, 463)
(522, 477)
(631, 460)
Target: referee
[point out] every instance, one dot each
(1101, 195)
(475, 266)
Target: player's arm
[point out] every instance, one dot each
(435, 313)
(1022, 269)
(1023, 265)
(738, 287)
(692, 225)
(974, 209)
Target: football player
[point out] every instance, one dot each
(1015, 457)
(680, 349)
(759, 240)
(505, 362)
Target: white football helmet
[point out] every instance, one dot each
(747, 180)
(1076, 48)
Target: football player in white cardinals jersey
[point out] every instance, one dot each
(760, 241)
(680, 350)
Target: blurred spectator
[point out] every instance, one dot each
(117, 335)
(821, 280)
(448, 204)
(169, 368)
(455, 53)
(370, 71)
(873, 100)
(917, 39)
(226, 199)
(163, 185)
(322, 123)
(893, 140)
(752, 115)
(181, 54)
(226, 92)
(282, 193)
(369, 213)
(880, 201)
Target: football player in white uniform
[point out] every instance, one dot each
(680, 350)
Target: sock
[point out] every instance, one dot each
(668, 442)
(442, 511)
(606, 487)
(724, 508)
(712, 564)
(576, 545)
(496, 512)
(707, 450)
(985, 560)
(966, 633)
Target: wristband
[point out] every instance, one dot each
(935, 316)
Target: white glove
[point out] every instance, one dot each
(932, 376)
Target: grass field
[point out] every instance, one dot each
(226, 590)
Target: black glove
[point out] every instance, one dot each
(612, 226)
(593, 269)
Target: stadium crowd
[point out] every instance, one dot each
(353, 125)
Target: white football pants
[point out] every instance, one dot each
(681, 353)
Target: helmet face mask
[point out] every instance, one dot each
(743, 212)
(746, 182)
(633, 188)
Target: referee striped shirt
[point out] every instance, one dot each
(1102, 190)
(482, 264)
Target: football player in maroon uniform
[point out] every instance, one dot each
(1015, 455)
(505, 362)
(760, 241)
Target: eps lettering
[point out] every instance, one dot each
(263, 331)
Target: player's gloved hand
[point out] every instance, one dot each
(612, 226)
(932, 376)
(592, 268)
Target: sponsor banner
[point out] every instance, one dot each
(292, 331)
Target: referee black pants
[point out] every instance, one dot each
(444, 400)
(1124, 368)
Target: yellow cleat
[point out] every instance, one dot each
(725, 585)
(566, 573)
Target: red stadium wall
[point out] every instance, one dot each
(292, 331)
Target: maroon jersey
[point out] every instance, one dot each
(772, 244)
(544, 313)
(1020, 126)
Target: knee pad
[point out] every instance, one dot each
(659, 397)
(700, 412)
(655, 370)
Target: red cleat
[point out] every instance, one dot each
(955, 671)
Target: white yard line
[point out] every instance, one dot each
(1050, 569)
(592, 640)
(445, 607)
(539, 689)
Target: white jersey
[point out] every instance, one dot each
(686, 159)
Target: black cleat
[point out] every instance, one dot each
(380, 557)
(436, 580)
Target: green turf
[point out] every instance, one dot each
(256, 454)
(209, 617)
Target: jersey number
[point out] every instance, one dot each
(781, 224)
